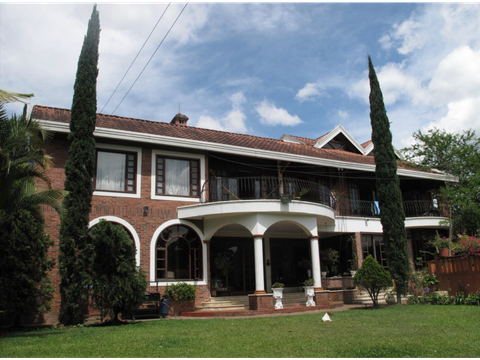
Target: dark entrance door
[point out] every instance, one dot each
(232, 266)
(290, 261)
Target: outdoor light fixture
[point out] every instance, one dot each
(145, 210)
(268, 262)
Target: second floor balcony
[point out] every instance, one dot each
(219, 189)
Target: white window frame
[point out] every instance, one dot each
(131, 149)
(182, 155)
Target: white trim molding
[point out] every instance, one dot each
(153, 246)
(125, 224)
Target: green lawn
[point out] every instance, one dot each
(397, 331)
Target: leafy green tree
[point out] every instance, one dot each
(373, 277)
(75, 245)
(117, 286)
(23, 161)
(25, 286)
(458, 155)
(392, 215)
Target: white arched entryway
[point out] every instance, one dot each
(257, 225)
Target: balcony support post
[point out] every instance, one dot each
(317, 275)
(259, 275)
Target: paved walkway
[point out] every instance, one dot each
(340, 308)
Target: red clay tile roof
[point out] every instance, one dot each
(304, 140)
(200, 134)
(366, 143)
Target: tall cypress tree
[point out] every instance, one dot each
(392, 215)
(75, 243)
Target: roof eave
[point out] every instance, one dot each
(108, 133)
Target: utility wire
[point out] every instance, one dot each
(139, 51)
(148, 62)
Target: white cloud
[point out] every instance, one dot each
(233, 121)
(262, 17)
(342, 114)
(310, 91)
(457, 76)
(461, 115)
(395, 83)
(411, 38)
(270, 115)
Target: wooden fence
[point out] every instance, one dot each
(456, 273)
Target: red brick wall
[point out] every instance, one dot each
(128, 209)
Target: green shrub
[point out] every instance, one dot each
(429, 280)
(473, 299)
(117, 286)
(436, 299)
(309, 282)
(278, 285)
(182, 292)
(373, 277)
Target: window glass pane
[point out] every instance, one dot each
(177, 177)
(179, 258)
(110, 171)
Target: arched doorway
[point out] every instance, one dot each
(289, 258)
(232, 267)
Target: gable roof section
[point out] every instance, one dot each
(366, 148)
(56, 119)
(338, 130)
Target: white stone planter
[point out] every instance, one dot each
(324, 274)
(309, 294)
(278, 296)
(353, 272)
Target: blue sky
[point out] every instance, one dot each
(264, 69)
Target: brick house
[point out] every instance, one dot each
(235, 213)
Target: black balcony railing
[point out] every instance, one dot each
(256, 188)
(286, 189)
(414, 208)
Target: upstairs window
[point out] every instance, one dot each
(177, 177)
(116, 171)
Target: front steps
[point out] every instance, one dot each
(225, 303)
(227, 306)
(364, 299)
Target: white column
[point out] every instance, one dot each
(317, 275)
(258, 248)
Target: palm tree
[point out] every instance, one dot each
(9, 96)
(24, 261)
(23, 165)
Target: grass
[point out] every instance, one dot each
(397, 331)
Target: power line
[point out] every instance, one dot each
(139, 51)
(171, 27)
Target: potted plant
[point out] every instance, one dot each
(278, 294)
(329, 258)
(308, 285)
(354, 260)
(442, 245)
(323, 268)
(213, 286)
